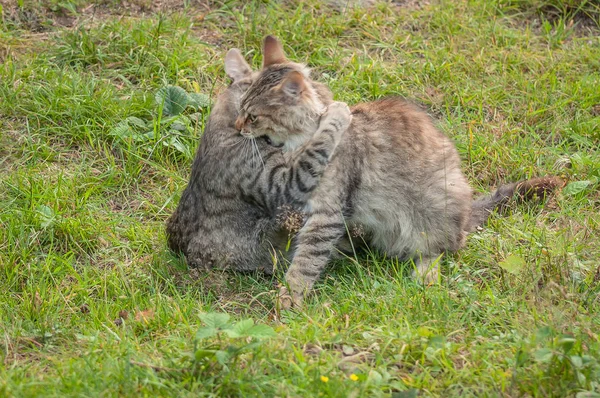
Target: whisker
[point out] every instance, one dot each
(258, 152)
(234, 143)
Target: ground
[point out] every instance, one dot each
(94, 304)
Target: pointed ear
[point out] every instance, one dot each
(236, 66)
(293, 85)
(272, 52)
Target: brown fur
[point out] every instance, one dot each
(393, 174)
(232, 214)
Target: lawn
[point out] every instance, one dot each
(94, 304)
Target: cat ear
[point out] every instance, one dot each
(272, 52)
(293, 84)
(236, 66)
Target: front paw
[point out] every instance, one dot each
(288, 300)
(428, 277)
(339, 112)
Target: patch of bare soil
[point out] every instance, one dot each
(585, 26)
(411, 4)
(582, 23)
(140, 8)
(42, 17)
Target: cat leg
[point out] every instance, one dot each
(291, 178)
(343, 248)
(316, 242)
(427, 269)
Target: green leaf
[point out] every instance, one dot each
(216, 320)
(122, 130)
(251, 346)
(567, 343)
(437, 341)
(45, 215)
(544, 332)
(201, 354)
(147, 136)
(135, 121)
(174, 142)
(247, 328)
(129, 128)
(575, 187)
(425, 331)
(412, 393)
(375, 377)
(543, 355)
(167, 121)
(195, 117)
(223, 357)
(206, 332)
(179, 127)
(240, 329)
(174, 100)
(513, 264)
(576, 361)
(588, 359)
(261, 332)
(199, 100)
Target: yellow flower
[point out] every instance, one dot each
(353, 377)
(324, 379)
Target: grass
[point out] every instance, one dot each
(94, 304)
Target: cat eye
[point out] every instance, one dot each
(271, 143)
(252, 118)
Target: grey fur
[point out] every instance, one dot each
(228, 213)
(393, 174)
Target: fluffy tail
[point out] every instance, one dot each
(523, 190)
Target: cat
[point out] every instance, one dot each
(393, 174)
(229, 215)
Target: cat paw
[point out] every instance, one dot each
(430, 278)
(288, 300)
(340, 113)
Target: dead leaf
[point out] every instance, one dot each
(312, 349)
(144, 316)
(37, 300)
(350, 363)
(361, 357)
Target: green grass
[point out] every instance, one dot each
(82, 213)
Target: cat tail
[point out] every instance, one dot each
(524, 190)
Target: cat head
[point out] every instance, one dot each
(242, 76)
(282, 102)
(220, 135)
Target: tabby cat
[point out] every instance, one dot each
(393, 173)
(228, 213)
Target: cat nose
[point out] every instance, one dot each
(239, 123)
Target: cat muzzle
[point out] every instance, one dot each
(240, 123)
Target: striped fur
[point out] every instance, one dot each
(393, 174)
(228, 213)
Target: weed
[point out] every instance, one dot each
(98, 125)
